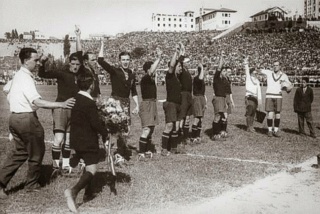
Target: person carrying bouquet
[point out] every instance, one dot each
(123, 81)
(86, 124)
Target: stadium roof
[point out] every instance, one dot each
(267, 11)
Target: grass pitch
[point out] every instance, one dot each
(208, 170)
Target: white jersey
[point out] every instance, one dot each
(252, 85)
(274, 81)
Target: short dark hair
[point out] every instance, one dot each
(73, 56)
(225, 67)
(306, 79)
(147, 66)
(25, 53)
(84, 81)
(251, 70)
(124, 53)
(86, 55)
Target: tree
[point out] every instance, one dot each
(33, 35)
(66, 46)
(7, 35)
(13, 35)
(138, 52)
(16, 34)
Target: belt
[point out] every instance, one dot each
(33, 112)
(151, 99)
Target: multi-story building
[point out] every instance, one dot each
(167, 22)
(215, 19)
(273, 13)
(39, 35)
(312, 9)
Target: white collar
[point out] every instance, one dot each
(25, 70)
(86, 94)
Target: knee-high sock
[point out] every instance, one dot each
(66, 151)
(215, 128)
(165, 140)
(199, 128)
(194, 131)
(185, 130)
(55, 151)
(143, 145)
(83, 182)
(276, 124)
(174, 139)
(269, 124)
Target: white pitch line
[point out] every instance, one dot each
(238, 159)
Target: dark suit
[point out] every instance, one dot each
(302, 106)
(85, 125)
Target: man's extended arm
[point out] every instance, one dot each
(106, 66)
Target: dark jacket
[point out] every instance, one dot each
(85, 125)
(302, 101)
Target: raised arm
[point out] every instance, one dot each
(201, 75)
(78, 39)
(155, 63)
(106, 66)
(246, 66)
(173, 61)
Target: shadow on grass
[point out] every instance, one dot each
(257, 129)
(102, 179)
(290, 131)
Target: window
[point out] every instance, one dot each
(180, 25)
(174, 19)
(192, 20)
(164, 19)
(222, 14)
(158, 19)
(158, 25)
(169, 25)
(229, 22)
(226, 22)
(191, 26)
(185, 26)
(169, 19)
(180, 20)
(175, 25)
(164, 25)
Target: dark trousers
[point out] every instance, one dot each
(28, 137)
(308, 117)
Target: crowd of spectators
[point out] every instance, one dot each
(298, 52)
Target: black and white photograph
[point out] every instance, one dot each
(160, 106)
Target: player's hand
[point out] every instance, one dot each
(77, 30)
(69, 103)
(135, 111)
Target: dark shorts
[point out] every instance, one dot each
(251, 106)
(229, 105)
(61, 119)
(148, 113)
(89, 158)
(273, 104)
(171, 111)
(125, 105)
(219, 104)
(186, 105)
(199, 103)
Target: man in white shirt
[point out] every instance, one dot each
(274, 97)
(28, 133)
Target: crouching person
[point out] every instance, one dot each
(85, 127)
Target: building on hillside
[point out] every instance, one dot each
(215, 19)
(27, 35)
(173, 23)
(98, 36)
(273, 13)
(39, 35)
(312, 9)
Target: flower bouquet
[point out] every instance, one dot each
(115, 117)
